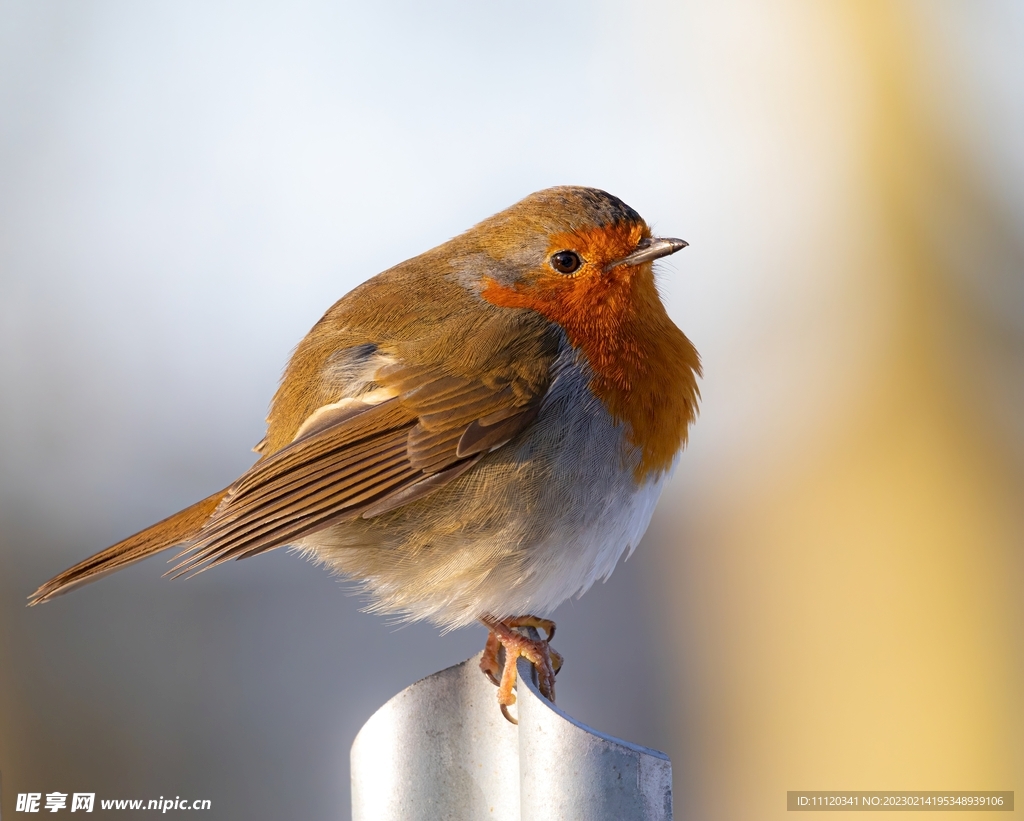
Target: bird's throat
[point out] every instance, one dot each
(644, 368)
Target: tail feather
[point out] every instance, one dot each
(172, 531)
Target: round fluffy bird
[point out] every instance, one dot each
(476, 434)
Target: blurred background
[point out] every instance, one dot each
(829, 596)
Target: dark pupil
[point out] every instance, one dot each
(565, 262)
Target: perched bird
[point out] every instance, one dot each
(478, 433)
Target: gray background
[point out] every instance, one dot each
(829, 594)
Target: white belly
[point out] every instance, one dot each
(535, 522)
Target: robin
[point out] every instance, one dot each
(475, 434)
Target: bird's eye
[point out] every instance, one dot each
(566, 262)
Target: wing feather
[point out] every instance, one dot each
(481, 438)
(353, 459)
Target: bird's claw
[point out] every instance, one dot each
(504, 635)
(489, 661)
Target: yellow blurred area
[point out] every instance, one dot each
(852, 606)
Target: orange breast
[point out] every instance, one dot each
(645, 369)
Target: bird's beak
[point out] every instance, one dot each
(647, 249)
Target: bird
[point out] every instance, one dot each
(476, 434)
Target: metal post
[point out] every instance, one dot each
(441, 749)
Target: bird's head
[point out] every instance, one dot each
(583, 259)
(565, 250)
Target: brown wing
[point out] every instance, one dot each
(367, 462)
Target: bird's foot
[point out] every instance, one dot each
(504, 635)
